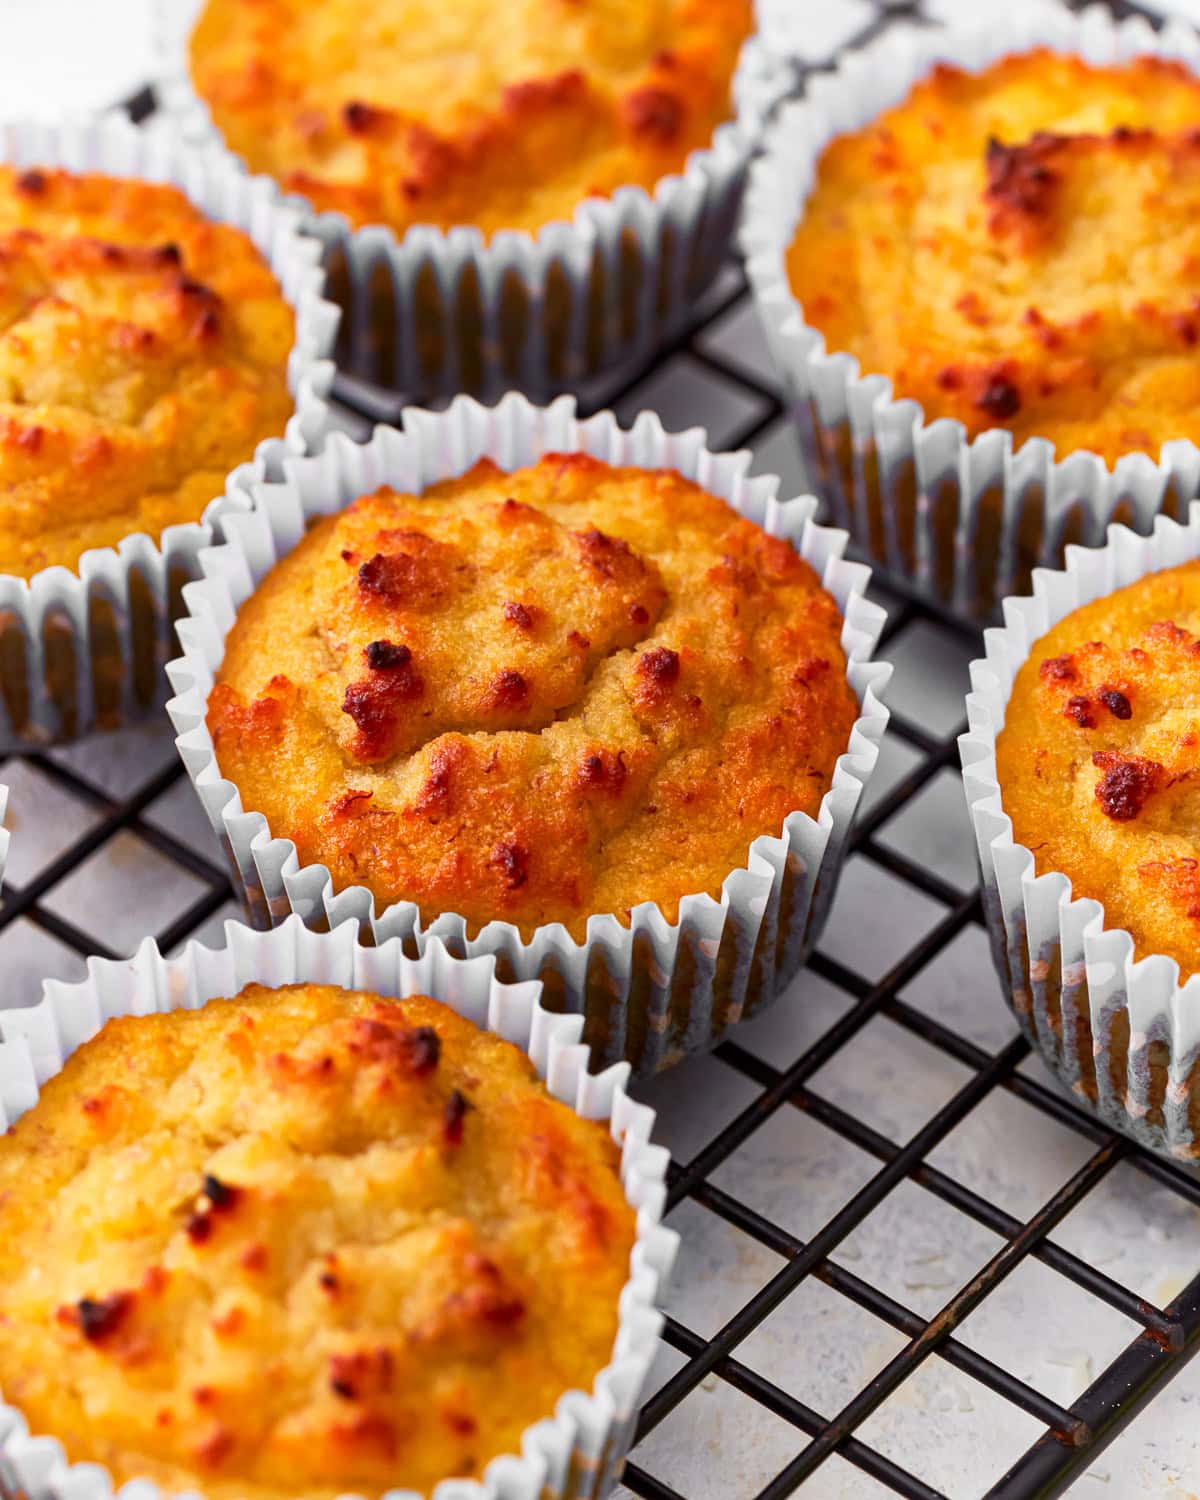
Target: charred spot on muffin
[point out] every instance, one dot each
(1079, 708)
(99, 1318)
(1058, 669)
(1128, 783)
(1021, 183)
(655, 114)
(519, 614)
(999, 398)
(512, 861)
(360, 118)
(454, 1115)
(602, 771)
(385, 656)
(508, 690)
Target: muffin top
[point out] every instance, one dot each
(1018, 248)
(503, 116)
(143, 354)
(1099, 759)
(303, 1242)
(534, 696)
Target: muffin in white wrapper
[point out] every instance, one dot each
(1122, 1035)
(83, 648)
(436, 312)
(576, 1453)
(651, 991)
(964, 522)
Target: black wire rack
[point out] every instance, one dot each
(738, 389)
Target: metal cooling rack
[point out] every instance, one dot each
(885, 1115)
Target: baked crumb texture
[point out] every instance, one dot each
(1099, 759)
(534, 696)
(303, 1242)
(143, 355)
(1019, 248)
(504, 116)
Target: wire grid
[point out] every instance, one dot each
(716, 373)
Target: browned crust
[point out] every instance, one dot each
(1099, 756)
(303, 1242)
(515, 115)
(673, 687)
(1006, 269)
(143, 355)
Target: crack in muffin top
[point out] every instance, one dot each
(303, 1242)
(1018, 248)
(534, 696)
(405, 112)
(1099, 759)
(143, 355)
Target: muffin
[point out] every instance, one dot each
(1017, 247)
(304, 1241)
(534, 696)
(502, 117)
(522, 196)
(979, 298)
(1098, 758)
(590, 701)
(143, 356)
(1084, 721)
(163, 337)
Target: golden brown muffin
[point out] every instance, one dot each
(534, 696)
(1099, 759)
(303, 1242)
(504, 116)
(143, 355)
(1019, 248)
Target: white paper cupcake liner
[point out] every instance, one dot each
(654, 990)
(4, 838)
(965, 522)
(1123, 1036)
(433, 313)
(84, 648)
(575, 1454)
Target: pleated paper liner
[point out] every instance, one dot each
(1122, 1035)
(964, 522)
(652, 991)
(84, 648)
(576, 1453)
